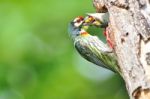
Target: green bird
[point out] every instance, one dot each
(91, 47)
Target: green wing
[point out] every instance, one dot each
(95, 51)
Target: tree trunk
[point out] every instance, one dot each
(129, 29)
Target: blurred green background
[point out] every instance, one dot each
(38, 60)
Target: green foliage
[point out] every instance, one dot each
(36, 54)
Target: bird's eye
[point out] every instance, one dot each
(78, 21)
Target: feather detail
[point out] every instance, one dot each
(95, 51)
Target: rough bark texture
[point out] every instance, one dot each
(130, 32)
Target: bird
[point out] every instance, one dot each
(91, 47)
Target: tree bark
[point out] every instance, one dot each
(129, 29)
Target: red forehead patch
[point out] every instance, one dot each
(81, 17)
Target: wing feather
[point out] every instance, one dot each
(94, 50)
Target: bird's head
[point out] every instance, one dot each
(76, 27)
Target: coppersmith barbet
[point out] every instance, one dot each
(91, 47)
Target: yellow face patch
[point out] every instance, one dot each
(92, 21)
(89, 19)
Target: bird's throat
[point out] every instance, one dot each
(84, 34)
